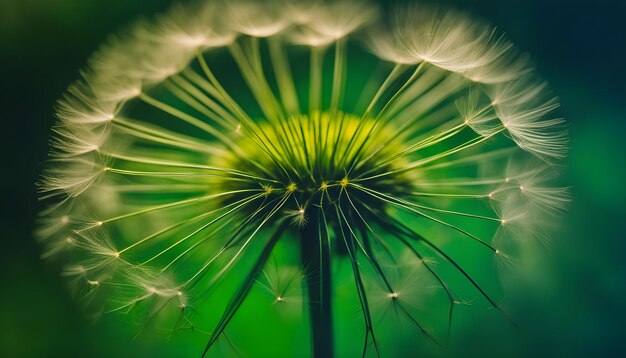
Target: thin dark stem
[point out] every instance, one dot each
(245, 287)
(316, 260)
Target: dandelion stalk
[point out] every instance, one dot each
(316, 258)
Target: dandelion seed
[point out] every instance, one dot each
(199, 144)
(324, 185)
(268, 189)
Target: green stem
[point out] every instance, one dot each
(316, 259)
(315, 87)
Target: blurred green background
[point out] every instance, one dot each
(579, 48)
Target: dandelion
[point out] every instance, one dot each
(199, 144)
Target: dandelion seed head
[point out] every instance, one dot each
(200, 144)
(340, 18)
(199, 26)
(257, 19)
(301, 12)
(389, 48)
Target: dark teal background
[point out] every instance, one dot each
(578, 48)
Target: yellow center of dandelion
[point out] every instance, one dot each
(310, 156)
